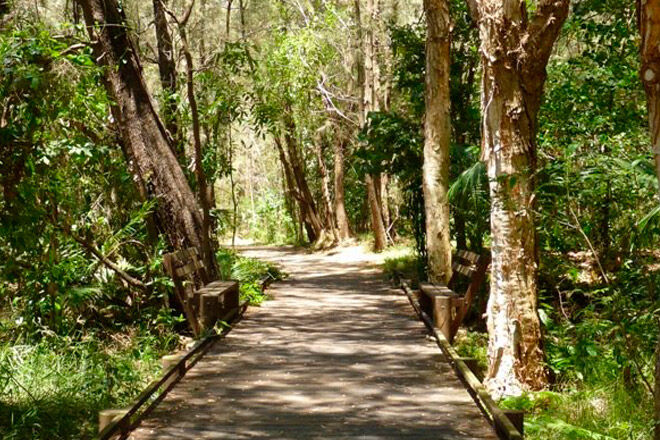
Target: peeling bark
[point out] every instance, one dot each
(437, 134)
(515, 50)
(648, 13)
(649, 27)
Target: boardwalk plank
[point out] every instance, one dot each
(337, 354)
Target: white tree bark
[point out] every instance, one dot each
(515, 50)
(437, 134)
(649, 27)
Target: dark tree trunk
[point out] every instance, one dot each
(656, 412)
(294, 191)
(325, 189)
(368, 79)
(241, 9)
(167, 70)
(228, 18)
(461, 237)
(202, 186)
(306, 199)
(143, 134)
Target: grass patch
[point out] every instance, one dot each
(55, 388)
(588, 413)
(404, 263)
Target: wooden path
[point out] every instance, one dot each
(337, 354)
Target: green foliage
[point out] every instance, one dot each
(473, 344)
(591, 413)
(249, 272)
(408, 266)
(54, 389)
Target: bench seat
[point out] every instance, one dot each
(443, 303)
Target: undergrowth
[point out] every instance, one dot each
(250, 272)
(597, 354)
(52, 386)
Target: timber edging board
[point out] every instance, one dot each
(501, 422)
(121, 428)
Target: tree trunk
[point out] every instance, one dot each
(461, 236)
(437, 134)
(207, 247)
(291, 192)
(241, 9)
(649, 26)
(648, 12)
(376, 217)
(142, 132)
(515, 51)
(298, 187)
(228, 18)
(306, 199)
(325, 189)
(367, 73)
(343, 226)
(385, 204)
(167, 70)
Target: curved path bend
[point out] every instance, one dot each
(336, 354)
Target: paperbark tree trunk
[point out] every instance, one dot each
(649, 27)
(141, 130)
(648, 12)
(167, 71)
(515, 50)
(437, 134)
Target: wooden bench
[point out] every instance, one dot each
(204, 301)
(447, 307)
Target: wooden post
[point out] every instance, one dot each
(442, 306)
(167, 362)
(208, 309)
(517, 417)
(107, 416)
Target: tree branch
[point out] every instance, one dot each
(91, 248)
(544, 28)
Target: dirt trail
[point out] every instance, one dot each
(336, 354)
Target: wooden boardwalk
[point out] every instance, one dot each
(337, 354)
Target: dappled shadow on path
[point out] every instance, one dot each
(335, 354)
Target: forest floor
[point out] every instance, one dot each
(335, 353)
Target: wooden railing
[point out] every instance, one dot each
(119, 423)
(508, 424)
